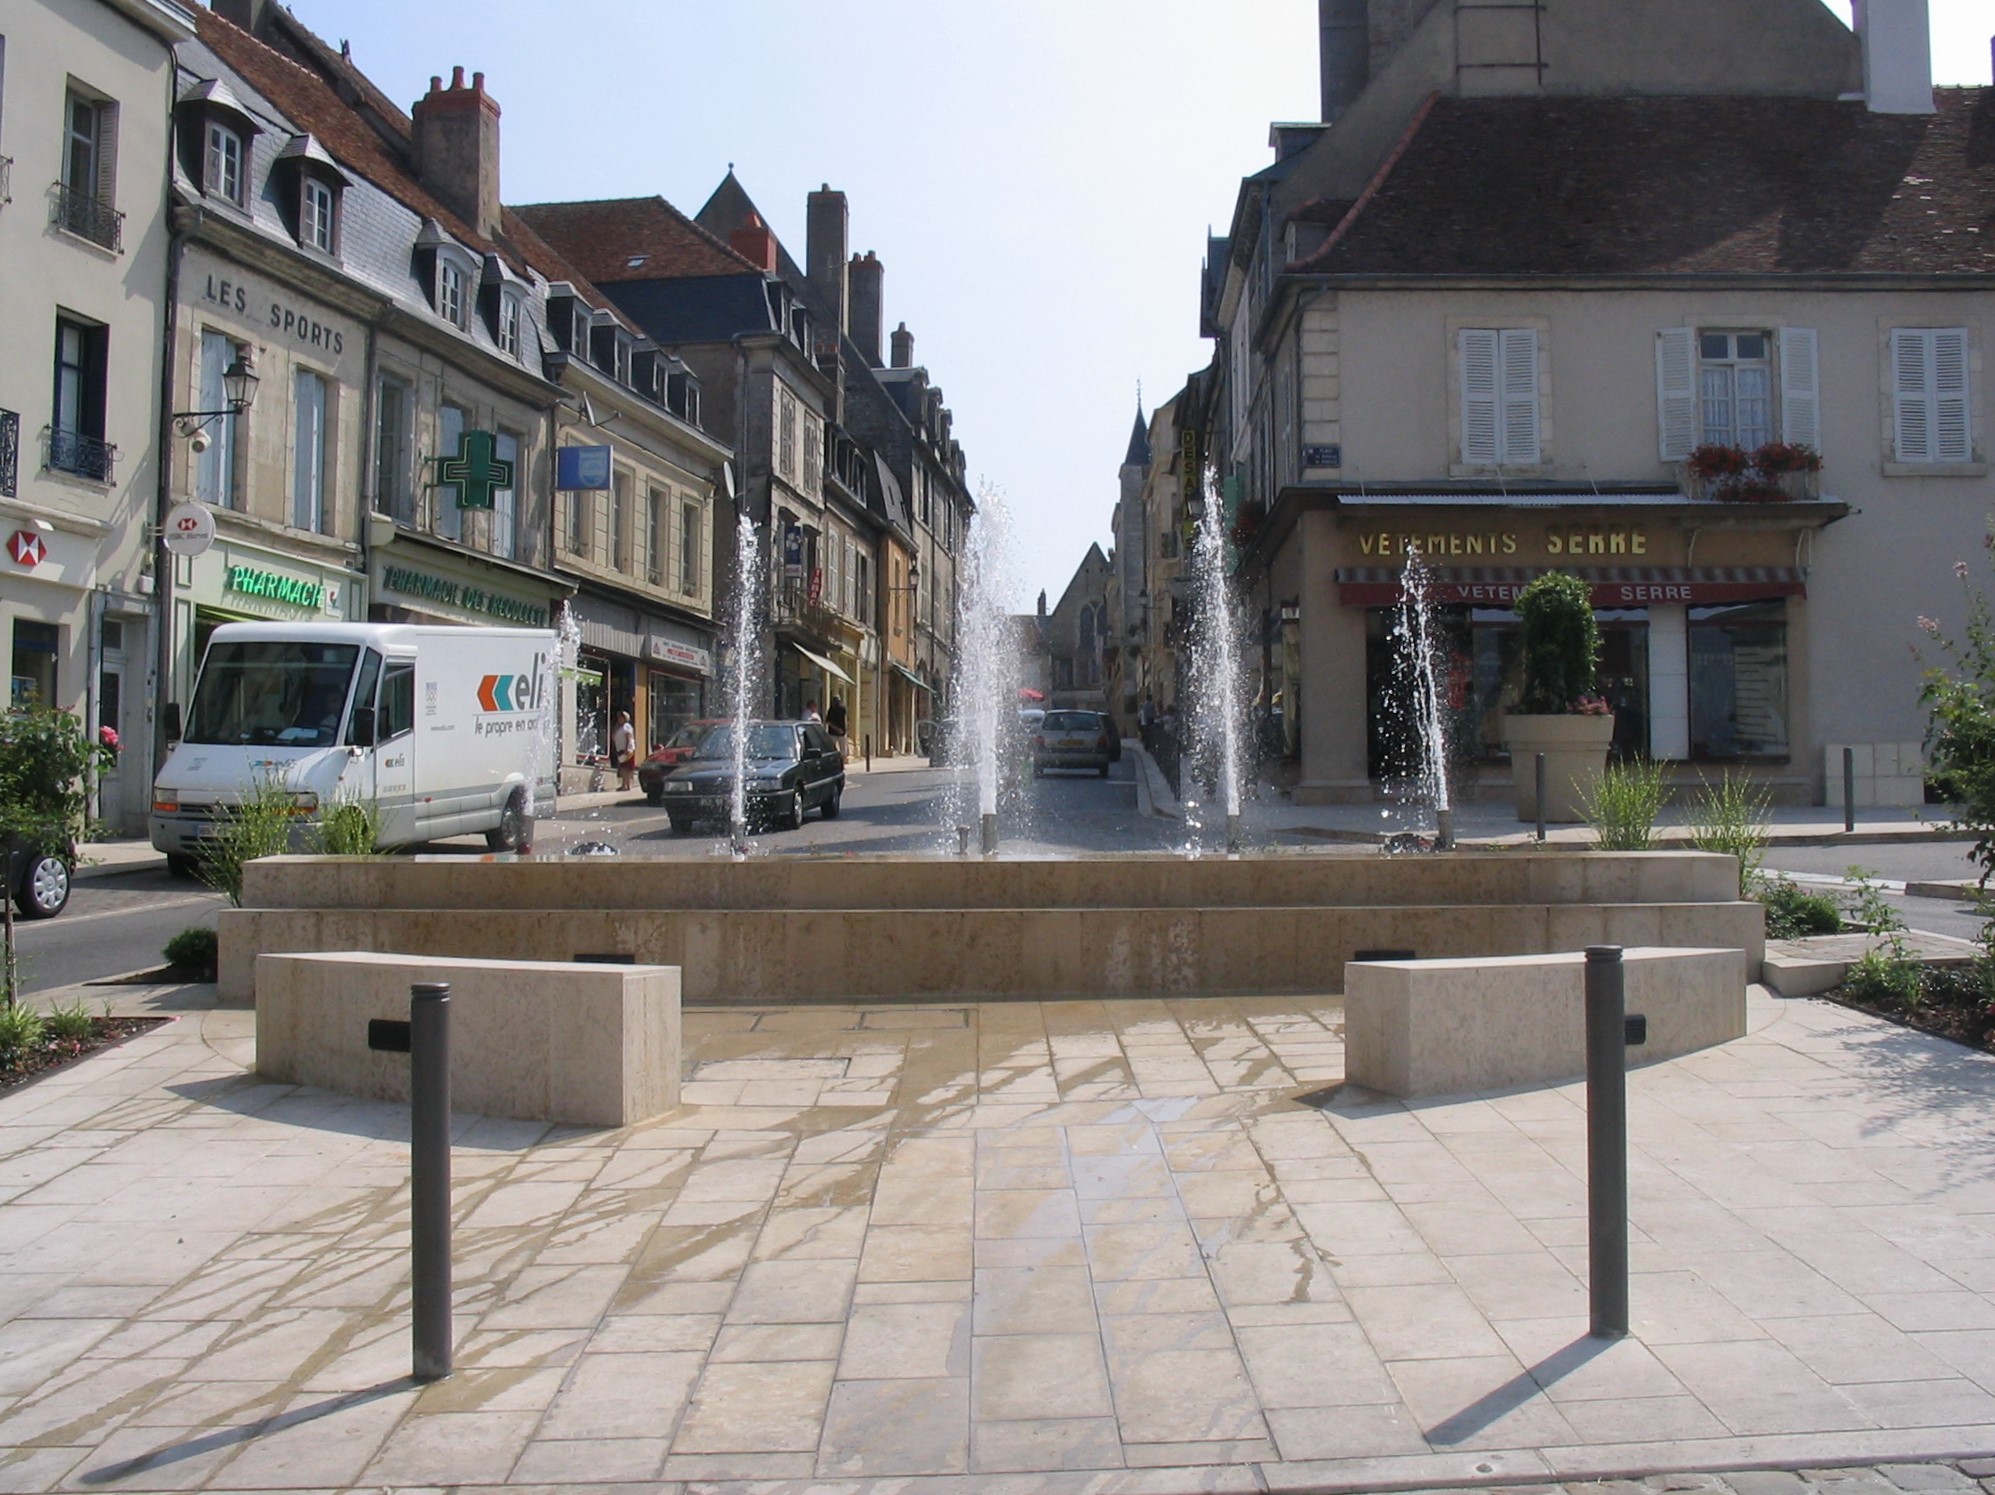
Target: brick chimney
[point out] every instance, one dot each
(1897, 44)
(866, 277)
(753, 241)
(825, 224)
(457, 149)
(1344, 53)
(903, 347)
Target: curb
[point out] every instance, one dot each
(98, 871)
(1965, 890)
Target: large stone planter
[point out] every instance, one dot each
(1575, 749)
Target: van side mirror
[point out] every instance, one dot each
(172, 722)
(362, 734)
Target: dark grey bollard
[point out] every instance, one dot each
(1538, 768)
(1849, 789)
(429, 1148)
(1606, 1141)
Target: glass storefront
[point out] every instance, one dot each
(1737, 668)
(32, 679)
(674, 702)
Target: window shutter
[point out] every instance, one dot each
(1519, 349)
(1800, 389)
(1952, 440)
(1911, 393)
(1479, 397)
(107, 154)
(1676, 392)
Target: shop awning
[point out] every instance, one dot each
(912, 679)
(1615, 586)
(822, 663)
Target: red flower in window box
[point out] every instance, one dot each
(1711, 462)
(1777, 457)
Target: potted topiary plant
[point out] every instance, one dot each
(1558, 713)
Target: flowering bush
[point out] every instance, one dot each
(1713, 461)
(1777, 457)
(1590, 706)
(109, 737)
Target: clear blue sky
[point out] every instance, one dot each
(1037, 176)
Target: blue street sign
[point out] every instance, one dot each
(578, 468)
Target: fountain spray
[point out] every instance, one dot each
(1220, 664)
(1429, 721)
(986, 669)
(747, 653)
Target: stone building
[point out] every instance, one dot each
(85, 244)
(1534, 273)
(1075, 637)
(1127, 593)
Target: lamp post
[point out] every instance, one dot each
(239, 381)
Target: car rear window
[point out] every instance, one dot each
(1071, 721)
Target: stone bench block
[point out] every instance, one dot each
(596, 1045)
(1448, 1027)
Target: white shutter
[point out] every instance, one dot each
(1518, 347)
(1800, 389)
(1479, 397)
(1911, 356)
(1676, 392)
(1952, 440)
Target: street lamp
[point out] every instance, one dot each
(239, 383)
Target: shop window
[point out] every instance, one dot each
(674, 703)
(1738, 681)
(36, 646)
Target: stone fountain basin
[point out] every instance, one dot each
(887, 928)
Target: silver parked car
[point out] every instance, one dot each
(1072, 739)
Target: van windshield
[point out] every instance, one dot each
(287, 692)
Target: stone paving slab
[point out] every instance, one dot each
(1014, 1249)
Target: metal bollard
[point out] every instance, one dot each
(429, 1205)
(868, 739)
(1606, 1141)
(1538, 770)
(1849, 789)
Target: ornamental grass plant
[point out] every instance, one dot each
(1624, 802)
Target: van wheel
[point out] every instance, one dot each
(510, 833)
(182, 866)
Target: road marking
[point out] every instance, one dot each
(184, 901)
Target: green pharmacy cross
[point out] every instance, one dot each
(477, 470)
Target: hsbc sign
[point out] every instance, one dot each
(27, 548)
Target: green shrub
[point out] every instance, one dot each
(1730, 818)
(1561, 643)
(350, 829)
(1888, 973)
(1622, 805)
(70, 1023)
(193, 949)
(260, 826)
(21, 1031)
(1792, 913)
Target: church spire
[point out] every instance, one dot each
(1139, 438)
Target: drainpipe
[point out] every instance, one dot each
(162, 558)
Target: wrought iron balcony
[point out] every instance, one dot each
(796, 608)
(87, 217)
(85, 456)
(10, 452)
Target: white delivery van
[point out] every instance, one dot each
(444, 731)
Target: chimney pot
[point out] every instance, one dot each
(436, 83)
(457, 77)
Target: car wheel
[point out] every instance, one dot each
(794, 814)
(681, 826)
(830, 806)
(182, 866)
(655, 796)
(44, 890)
(1104, 769)
(510, 833)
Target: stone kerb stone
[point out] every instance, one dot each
(593, 1045)
(1450, 1027)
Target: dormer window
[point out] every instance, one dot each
(315, 216)
(620, 351)
(682, 395)
(509, 322)
(449, 291)
(222, 174)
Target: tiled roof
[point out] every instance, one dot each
(1681, 186)
(632, 238)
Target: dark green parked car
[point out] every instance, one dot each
(793, 768)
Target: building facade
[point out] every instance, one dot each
(1733, 380)
(84, 238)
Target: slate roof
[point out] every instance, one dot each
(1680, 186)
(632, 238)
(1139, 443)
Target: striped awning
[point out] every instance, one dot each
(1612, 586)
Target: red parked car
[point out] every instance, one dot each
(669, 754)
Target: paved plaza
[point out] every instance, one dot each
(1032, 1247)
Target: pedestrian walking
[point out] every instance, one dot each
(623, 751)
(834, 722)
